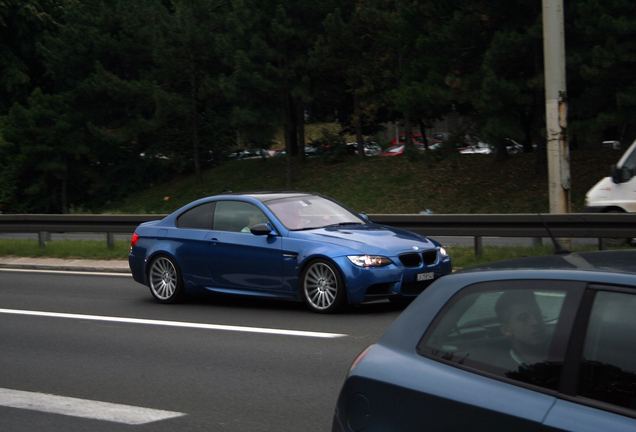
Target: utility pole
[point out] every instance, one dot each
(556, 106)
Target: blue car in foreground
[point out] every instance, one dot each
(286, 245)
(534, 344)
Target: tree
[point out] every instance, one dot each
(23, 24)
(187, 69)
(350, 59)
(601, 57)
(511, 97)
(48, 146)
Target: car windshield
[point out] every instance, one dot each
(309, 212)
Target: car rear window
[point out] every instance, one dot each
(199, 217)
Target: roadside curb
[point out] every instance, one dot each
(102, 266)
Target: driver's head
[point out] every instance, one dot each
(520, 317)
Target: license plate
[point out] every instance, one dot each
(425, 276)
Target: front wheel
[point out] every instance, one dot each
(322, 287)
(164, 279)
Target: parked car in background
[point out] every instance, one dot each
(248, 153)
(286, 245)
(441, 136)
(370, 148)
(394, 150)
(309, 151)
(477, 148)
(513, 147)
(274, 152)
(417, 140)
(613, 144)
(398, 150)
(544, 343)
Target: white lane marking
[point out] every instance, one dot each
(83, 408)
(73, 272)
(177, 324)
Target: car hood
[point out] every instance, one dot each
(369, 239)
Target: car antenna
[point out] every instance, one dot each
(558, 249)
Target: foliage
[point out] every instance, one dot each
(87, 86)
(332, 147)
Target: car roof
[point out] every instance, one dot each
(621, 261)
(265, 196)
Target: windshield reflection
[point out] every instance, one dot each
(299, 213)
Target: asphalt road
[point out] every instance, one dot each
(97, 353)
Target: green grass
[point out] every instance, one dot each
(76, 249)
(460, 184)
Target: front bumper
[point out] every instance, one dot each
(367, 284)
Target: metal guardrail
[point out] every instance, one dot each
(573, 225)
(45, 224)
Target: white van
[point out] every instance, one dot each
(616, 193)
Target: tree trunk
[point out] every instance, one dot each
(423, 132)
(409, 148)
(300, 127)
(288, 139)
(357, 115)
(64, 185)
(194, 125)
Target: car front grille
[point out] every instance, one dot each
(415, 259)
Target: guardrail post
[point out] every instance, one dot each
(601, 244)
(43, 237)
(478, 246)
(110, 239)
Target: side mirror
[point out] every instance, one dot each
(619, 175)
(261, 229)
(615, 174)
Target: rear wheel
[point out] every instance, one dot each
(165, 281)
(322, 287)
(616, 241)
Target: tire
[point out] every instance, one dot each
(164, 280)
(322, 287)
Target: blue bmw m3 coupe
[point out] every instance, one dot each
(288, 245)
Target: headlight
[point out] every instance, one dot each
(369, 260)
(442, 252)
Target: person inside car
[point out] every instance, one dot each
(520, 318)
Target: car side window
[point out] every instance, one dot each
(608, 366)
(237, 216)
(199, 217)
(506, 328)
(629, 166)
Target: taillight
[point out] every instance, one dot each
(360, 357)
(135, 239)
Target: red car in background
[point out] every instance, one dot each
(417, 139)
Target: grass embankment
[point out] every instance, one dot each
(460, 184)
